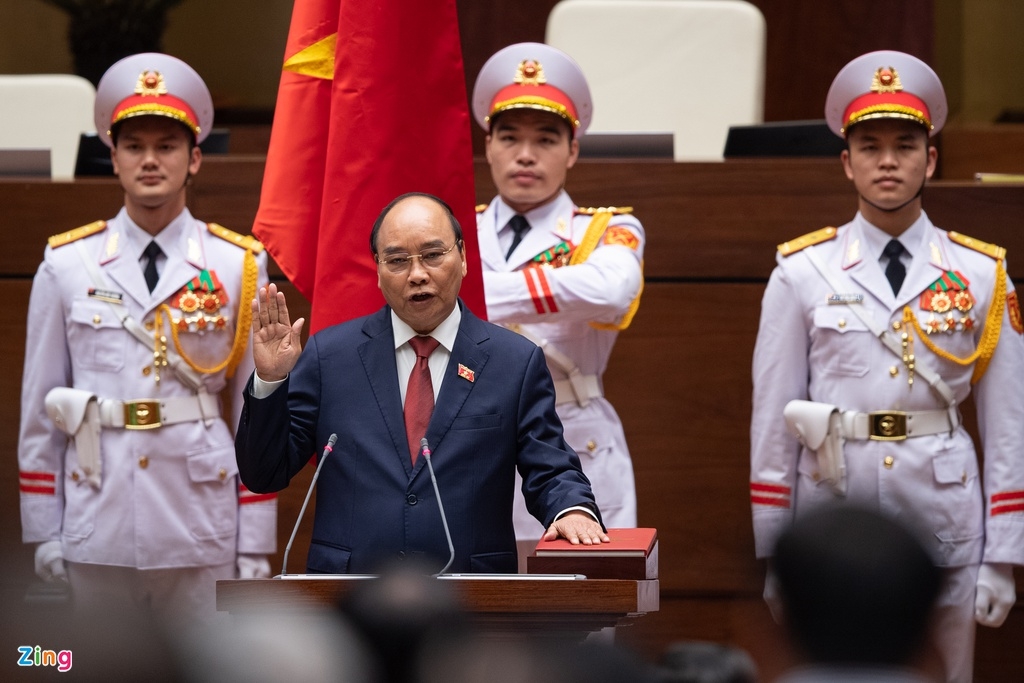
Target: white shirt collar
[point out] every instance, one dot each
(445, 333)
(876, 238)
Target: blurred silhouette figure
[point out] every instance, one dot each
(402, 614)
(701, 662)
(858, 592)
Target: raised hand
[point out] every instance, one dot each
(276, 341)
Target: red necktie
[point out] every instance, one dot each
(419, 395)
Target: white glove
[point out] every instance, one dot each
(50, 562)
(253, 567)
(771, 595)
(996, 593)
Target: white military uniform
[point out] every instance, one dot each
(554, 305)
(169, 497)
(809, 348)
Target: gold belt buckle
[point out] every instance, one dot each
(141, 414)
(888, 426)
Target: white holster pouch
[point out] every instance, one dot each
(76, 412)
(818, 426)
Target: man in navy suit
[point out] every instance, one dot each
(494, 412)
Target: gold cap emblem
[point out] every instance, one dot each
(886, 80)
(530, 72)
(151, 83)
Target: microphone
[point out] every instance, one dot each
(288, 548)
(425, 452)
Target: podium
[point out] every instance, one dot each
(505, 603)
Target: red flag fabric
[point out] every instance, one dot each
(372, 104)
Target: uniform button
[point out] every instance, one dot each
(411, 499)
(889, 460)
(146, 370)
(143, 462)
(963, 478)
(816, 476)
(897, 325)
(74, 476)
(222, 474)
(96, 319)
(894, 371)
(150, 325)
(591, 445)
(841, 323)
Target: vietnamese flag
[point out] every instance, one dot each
(372, 104)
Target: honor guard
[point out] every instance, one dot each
(567, 277)
(872, 336)
(136, 327)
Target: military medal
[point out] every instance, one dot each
(556, 256)
(200, 303)
(944, 296)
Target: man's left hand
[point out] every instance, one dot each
(577, 527)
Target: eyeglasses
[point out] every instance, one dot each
(399, 263)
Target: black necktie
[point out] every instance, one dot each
(151, 253)
(519, 226)
(895, 271)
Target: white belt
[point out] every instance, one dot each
(150, 413)
(577, 389)
(897, 425)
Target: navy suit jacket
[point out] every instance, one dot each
(372, 504)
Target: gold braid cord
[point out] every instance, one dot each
(250, 274)
(989, 337)
(591, 238)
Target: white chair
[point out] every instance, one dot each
(692, 67)
(47, 111)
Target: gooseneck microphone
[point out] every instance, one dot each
(288, 548)
(425, 452)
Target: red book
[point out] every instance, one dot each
(625, 542)
(632, 554)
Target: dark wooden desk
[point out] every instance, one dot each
(497, 604)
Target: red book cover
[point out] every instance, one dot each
(634, 542)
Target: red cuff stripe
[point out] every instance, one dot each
(1009, 495)
(256, 498)
(38, 476)
(548, 296)
(1003, 509)
(776, 502)
(770, 488)
(45, 490)
(534, 294)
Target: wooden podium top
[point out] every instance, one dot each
(502, 603)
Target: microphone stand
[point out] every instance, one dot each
(425, 452)
(288, 548)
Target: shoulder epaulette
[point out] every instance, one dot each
(990, 250)
(808, 240)
(59, 240)
(590, 211)
(480, 208)
(244, 241)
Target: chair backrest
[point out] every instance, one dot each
(692, 67)
(47, 111)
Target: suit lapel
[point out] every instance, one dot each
(378, 357)
(456, 386)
